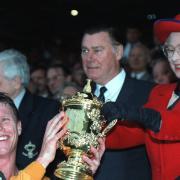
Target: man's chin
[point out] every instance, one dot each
(92, 77)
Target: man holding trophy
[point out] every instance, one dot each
(101, 53)
(10, 129)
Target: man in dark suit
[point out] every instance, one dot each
(34, 111)
(101, 54)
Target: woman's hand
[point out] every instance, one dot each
(94, 162)
(56, 129)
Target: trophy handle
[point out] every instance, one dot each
(64, 148)
(108, 128)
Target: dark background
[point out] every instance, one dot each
(27, 24)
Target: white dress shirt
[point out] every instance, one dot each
(138, 75)
(17, 100)
(113, 87)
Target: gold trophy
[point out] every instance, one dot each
(85, 127)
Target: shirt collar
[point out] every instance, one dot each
(175, 97)
(138, 75)
(17, 100)
(113, 87)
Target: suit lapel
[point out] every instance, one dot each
(26, 108)
(126, 91)
(165, 96)
(173, 100)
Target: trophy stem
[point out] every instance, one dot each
(74, 168)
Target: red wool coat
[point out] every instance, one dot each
(163, 148)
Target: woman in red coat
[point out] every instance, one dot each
(162, 138)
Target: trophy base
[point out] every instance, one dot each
(71, 173)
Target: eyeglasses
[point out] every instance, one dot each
(170, 50)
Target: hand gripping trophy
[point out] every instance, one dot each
(85, 127)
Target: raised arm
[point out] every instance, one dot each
(146, 117)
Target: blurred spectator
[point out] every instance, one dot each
(162, 73)
(133, 35)
(78, 76)
(138, 62)
(34, 111)
(39, 81)
(69, 90)
(57, 74)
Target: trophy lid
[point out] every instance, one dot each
(83, 98)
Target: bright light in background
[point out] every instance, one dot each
(74, 12)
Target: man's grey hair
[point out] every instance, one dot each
(14, 64)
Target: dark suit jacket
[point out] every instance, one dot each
(128, 164)
(35, 112)
(147, 77)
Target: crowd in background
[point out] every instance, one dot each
(57, 73)
(123, 72)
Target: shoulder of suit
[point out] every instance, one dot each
(39, 102)
(140, 83)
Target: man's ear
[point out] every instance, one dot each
(19, 127)
(119, 51)
(17, 82)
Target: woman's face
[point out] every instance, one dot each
(162, 73)
(172, 45)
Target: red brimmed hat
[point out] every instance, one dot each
(163, 27)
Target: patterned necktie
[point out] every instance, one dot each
(101, 95)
